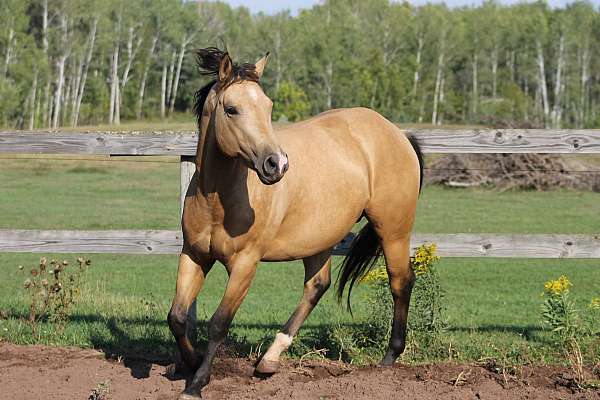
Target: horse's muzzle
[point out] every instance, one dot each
(273, 168)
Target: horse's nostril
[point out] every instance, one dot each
(270, 165)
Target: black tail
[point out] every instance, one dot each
(361, 257)
(366, 248)
(415, 144)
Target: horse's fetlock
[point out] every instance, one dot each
(397, 345)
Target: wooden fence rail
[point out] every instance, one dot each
(169, 242)
(184, 146)
(432, 141)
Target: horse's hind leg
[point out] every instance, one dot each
(317, 278)
(402, 277)
(190, 278)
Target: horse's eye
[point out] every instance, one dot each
(230, 110)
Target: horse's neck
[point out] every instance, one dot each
(215, 169)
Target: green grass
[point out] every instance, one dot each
(493, 304)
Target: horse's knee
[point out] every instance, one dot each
(177, 319)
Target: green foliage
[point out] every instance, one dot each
(466, 65)
(290, 103)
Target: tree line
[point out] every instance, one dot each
(75, 62)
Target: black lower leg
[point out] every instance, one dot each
(401, 298)
(219, 326)
(177, 320)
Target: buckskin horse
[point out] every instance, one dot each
(260, 194)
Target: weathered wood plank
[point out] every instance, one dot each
(513, 246)
(98, 143)
(432, 141)
(509, 141)
(169, 242)
(111, 241)
(503, 246)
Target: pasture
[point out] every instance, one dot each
(493, 305)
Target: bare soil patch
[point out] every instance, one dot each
(40, 372)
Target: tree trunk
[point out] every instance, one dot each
(131, 52)
(418, 67)
(584, 65)
(60, 72)
(556, 112)
(441, 111)
(60, 81)
(114, 84)
(170, 78)
(511, 61)
(142, 91)
(494, 71)
(475, 94)
(438, 83)
(8, 52)
(329, 85)
(88, 60)
(278, 49)
(163, 90)
(46, 103)
(33, 96)
(542, 81)
(118, 105)
(184, 43)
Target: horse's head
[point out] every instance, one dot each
(241, 114)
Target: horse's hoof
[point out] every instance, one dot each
(266, 368)
(186, 396)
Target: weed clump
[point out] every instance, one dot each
(53, 291)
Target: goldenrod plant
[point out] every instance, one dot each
(561, 315)
(558, 310)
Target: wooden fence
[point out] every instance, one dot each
(184, 146)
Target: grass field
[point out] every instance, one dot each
(493, 304)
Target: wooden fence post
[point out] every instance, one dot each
(187, 167)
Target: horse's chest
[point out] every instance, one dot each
(219, 234)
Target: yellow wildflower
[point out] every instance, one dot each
(558, 286)
(421, 263)
(423, 258)
(595, 304)
(377, 274)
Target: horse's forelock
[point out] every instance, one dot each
(209, 61)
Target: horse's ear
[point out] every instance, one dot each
(225, 67)
(261, 64)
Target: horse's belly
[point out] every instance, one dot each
(314, 234)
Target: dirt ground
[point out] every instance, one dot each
(39, 372)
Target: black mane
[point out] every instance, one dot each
(200, 98)
(209, 61)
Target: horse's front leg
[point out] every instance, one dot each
(317, 278)
(241, 273)
(190, 278)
